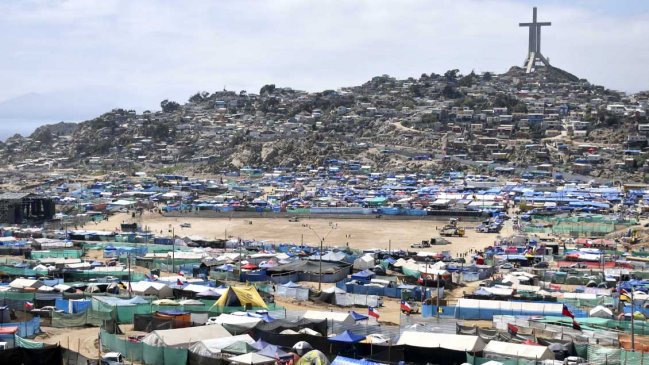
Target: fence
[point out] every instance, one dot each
(69, 254)
(141, 352)
(294, 293)
(369, 290)
(27, 328)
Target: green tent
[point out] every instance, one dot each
(238, 348)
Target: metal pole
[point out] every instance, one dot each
(128, 258)
(173, 249)
(632, 321)
(320, 276)
(437, 296)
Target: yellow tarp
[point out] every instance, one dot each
(240, 297)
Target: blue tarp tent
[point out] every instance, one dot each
(274, 352)
(348, 337)
(364, 276)
(341, 360)
(358, 316)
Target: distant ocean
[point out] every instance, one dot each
(25, 127)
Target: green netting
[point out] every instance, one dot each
(603, 355)
(20, 271)
(153, 355)
(17, 296)
(70, 254)
(581, 350)
(173, 356)
(134, 351)
(475, 360)
(89, 317)
(28, 344)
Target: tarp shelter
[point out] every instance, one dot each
(348, 337)
(313, 357)
(499, 350)
(442, 340)
(211, 347)
(240, 297)
(335, 317)
(182, 337)
(358, 316)
(251, 359)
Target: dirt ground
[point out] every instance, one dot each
(357, 233)
(83, 340)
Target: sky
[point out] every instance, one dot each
(71, 60)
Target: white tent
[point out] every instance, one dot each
(364, 262)
(442, 340)
(336, 317)
(498, 349)
(182, 337)
(210, 348)
(601, 312)
(159, 290)
(251, 358)
(25, 284)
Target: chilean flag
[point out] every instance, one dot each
(566, 312)
(405, 306)
(373, 312)
(179, 282)
(29, 305)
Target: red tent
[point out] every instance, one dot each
(249, 266)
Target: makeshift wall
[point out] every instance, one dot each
(140, 352)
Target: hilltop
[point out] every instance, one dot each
(512, 119)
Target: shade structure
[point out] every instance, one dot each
(260, 344)
(348, 337)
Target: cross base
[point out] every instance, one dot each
(533, 60)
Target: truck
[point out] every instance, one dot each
(452, 229)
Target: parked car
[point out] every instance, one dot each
(112, 358)
(377, 339)
(506, 266)
(542, 265)
(185, 225)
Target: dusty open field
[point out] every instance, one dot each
(358, 233)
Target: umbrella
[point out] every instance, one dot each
(302, 347)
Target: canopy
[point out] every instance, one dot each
(348, 337)
(358, 316)
(601, 312)
(313, 357)
(341, 360)
(209, 348)
(240, 297)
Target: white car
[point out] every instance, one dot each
(377, 339)
(640, 295)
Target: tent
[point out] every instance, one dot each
(335, 317)
(348, 337)
(313, 357)
(341, 360)
(145, 288)
(499, 350)
(274, 352)
(358, 316)
(601, 312)
(251, 359)
(238, 348)
(442, 340)
(364, 276)
(182, 337)
(240, 297)
(211, 347)
(235, 324)
(364, 262)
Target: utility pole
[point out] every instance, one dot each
(173, 249)
(128, 259)
(632, 321)
(322, 239)
(437, 299)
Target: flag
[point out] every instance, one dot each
(373, 312)
(576, 325)
(512, 329)
(405, 306)
(179, 282)
(29, 305)
(567, 312)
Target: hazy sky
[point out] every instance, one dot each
(136, 53)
